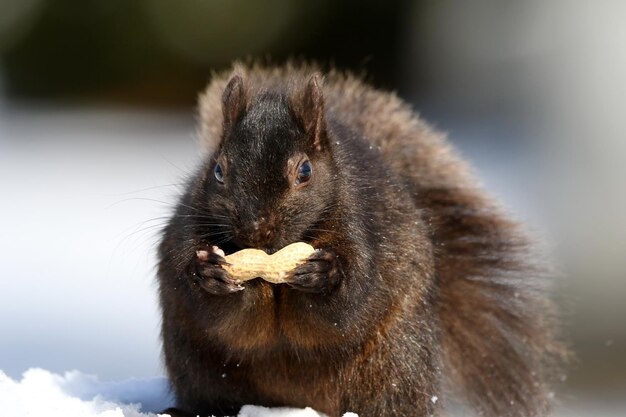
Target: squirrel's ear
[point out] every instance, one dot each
(233, 101)
(309, 109)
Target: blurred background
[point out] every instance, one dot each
(97, 131)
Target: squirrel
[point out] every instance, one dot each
(422, 291)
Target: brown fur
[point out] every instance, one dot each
(439, 286)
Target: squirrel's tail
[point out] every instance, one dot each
(500, 352)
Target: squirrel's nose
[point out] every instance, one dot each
(262, 232)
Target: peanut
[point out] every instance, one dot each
(248, 264)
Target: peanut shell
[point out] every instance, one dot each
(248, 264)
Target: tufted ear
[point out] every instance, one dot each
(234, 102)
(309, 109)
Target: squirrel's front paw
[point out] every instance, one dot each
(319, 274)
(206, 271)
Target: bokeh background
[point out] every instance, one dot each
(97, 132)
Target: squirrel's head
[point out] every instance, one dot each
(270, 181)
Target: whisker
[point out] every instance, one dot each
(226, 239)
(156, 228)
(161, 219)
(214, 234)
(180, 184)
(125, 200)
(211, 225)
(173, 205)
(186, 173)
(207, 215)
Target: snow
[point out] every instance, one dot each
(41, 393)
(255, 411)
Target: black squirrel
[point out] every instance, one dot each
(421, 293)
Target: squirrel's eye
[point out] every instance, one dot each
(219, 175)
(304, 172)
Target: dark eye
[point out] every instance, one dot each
(304, 172)
(219, 175)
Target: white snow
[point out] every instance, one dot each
(41, 393)
(256, 411)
